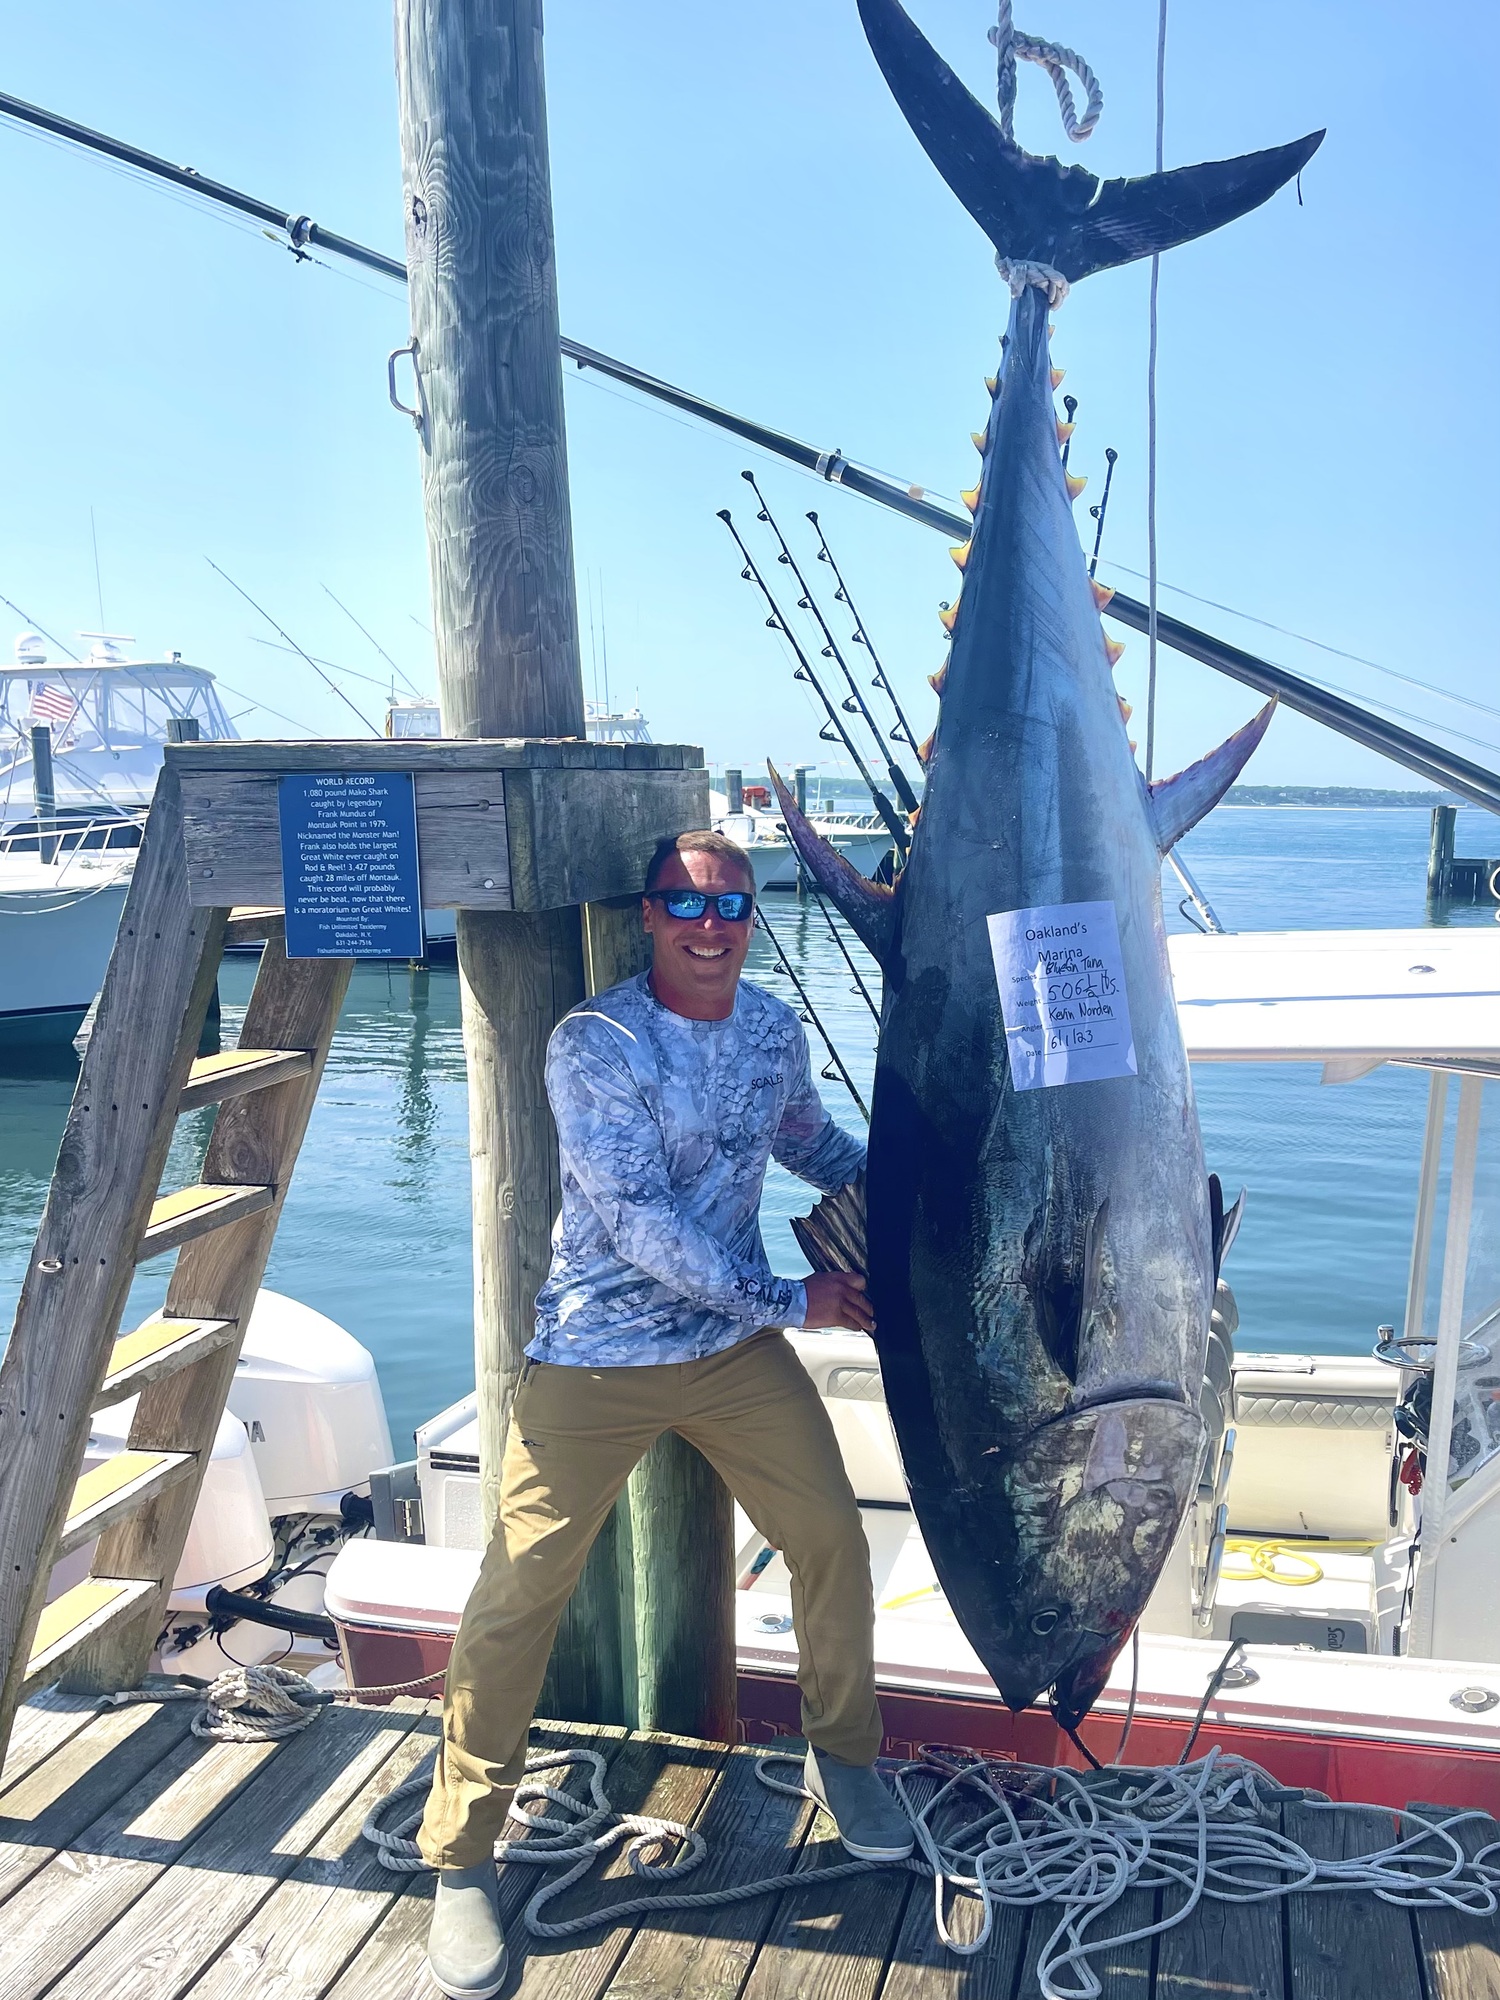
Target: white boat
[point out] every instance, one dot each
(60, 901)
(64, 869)
(1365, 1615)
(863, 841)
(109, 717)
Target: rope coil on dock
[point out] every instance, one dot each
(244, 1705)
(1000, 1834)
(1004, 1835)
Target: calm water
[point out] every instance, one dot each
(376, 1227)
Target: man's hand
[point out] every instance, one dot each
(838, 1298)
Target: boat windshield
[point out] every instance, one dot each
(109, 721)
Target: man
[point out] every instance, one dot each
(670, 1093)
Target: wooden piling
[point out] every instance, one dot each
(479, 240)
(1440, 851)
(483, 293)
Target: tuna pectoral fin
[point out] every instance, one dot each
(1226, 1221)
(1037, 208)
(832, 1237)
(1178, 804)
(1064, 1302)
(869, 907)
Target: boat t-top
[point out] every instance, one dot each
(108, 717)
(80, 747)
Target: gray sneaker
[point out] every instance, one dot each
(870, 1822)
(465, 1946)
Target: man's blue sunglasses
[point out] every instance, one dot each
(688, 904)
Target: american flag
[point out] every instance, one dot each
(51, 704)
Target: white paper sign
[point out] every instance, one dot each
(1062, 994)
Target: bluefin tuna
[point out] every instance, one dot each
(1041, 1227)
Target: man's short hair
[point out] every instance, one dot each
(695, 843)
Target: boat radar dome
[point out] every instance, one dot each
(31, 649)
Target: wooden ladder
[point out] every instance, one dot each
(105, 1213)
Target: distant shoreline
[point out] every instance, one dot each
(1337, 796)
(1262, 798)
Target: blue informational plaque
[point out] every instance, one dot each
(349, 865)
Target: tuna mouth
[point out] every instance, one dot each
(1084, 1400)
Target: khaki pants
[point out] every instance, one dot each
(575, 1435)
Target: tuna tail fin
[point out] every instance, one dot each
(869, 907)
(1034, 207)
(1178, 804)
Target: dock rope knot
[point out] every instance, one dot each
(244, 1705)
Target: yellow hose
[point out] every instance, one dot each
(1263, 1557)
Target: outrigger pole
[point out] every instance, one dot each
(1427, 759)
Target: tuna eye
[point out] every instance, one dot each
(1044, 1622)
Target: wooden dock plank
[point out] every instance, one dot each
(137, 1863)
(1223, 1948)
(922, 1967)
(312, 1924)
(834, 1941)
(180, 1923)
(751, 1832)
(1346, 1946)
(55, 1918)
(392, 1964)
(1461, 1954)
(1123, 1970)
(60, 1796)
(43, 1724)
(251, 923)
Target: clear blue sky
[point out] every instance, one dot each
(741, 209)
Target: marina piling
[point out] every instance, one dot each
(488, 412)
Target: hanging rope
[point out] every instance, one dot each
(1013, 44)
(1151, 574)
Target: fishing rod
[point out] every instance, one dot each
(899, 833)
(410, 685)
(36, 627)
(1099, 510)
(325, 678)
(1070, 405)
(835, 1072)
(301, 233)
(903, 730)
(837, 935)
(1431, 761)
(854, 703)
